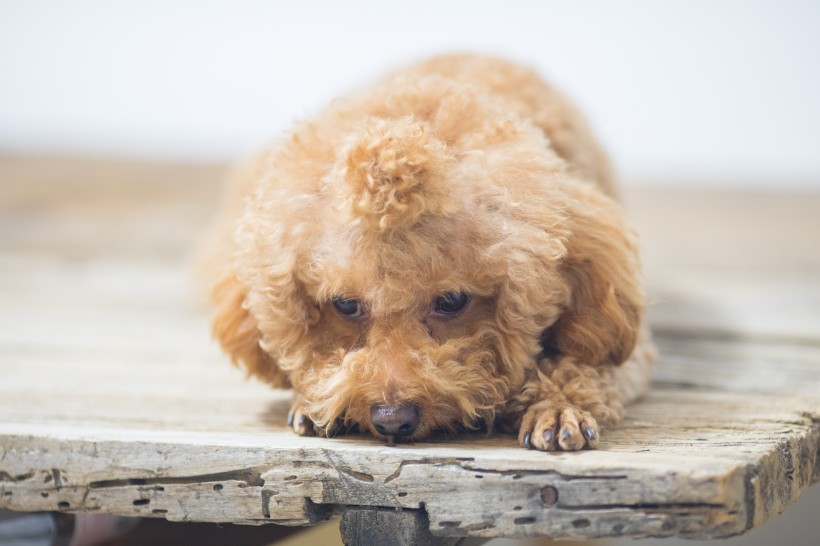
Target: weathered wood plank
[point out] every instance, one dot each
(737, 364)
(683, 463)
(730, 263)
(113, 398)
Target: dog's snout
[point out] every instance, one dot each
(395, 420)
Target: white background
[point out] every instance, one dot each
(705, 92)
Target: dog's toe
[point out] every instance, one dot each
(299, 422)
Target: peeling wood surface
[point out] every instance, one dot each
(113, 398)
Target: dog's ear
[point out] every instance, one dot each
(237, 333)
(603, 314)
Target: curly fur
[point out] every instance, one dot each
(460, 174)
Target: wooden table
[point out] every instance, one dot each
(114, 399)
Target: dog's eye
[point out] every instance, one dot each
(348, 308)
(451, 303)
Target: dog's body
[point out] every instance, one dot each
(440, 252)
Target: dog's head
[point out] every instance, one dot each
(411, 286)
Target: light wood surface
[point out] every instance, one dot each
(114, 398)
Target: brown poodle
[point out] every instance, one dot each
(441, 252)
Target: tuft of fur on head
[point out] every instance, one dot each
(391, 172)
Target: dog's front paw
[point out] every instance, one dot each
(299, 421)
(551, 426)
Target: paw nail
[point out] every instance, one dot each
(548, 436)
(302, 420)
(589, 433)
(290, 419)
(527, 437)
(565, 434)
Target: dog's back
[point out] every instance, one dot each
(531, 98)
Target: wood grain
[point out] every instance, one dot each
(113, 397)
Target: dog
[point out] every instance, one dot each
(441, 252)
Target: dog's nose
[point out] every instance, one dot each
(395, 420)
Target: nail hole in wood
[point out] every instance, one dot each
(581, 523)
(523, 521)
(63, 505)
(549, 495)
(141, 502)
(218, 487)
